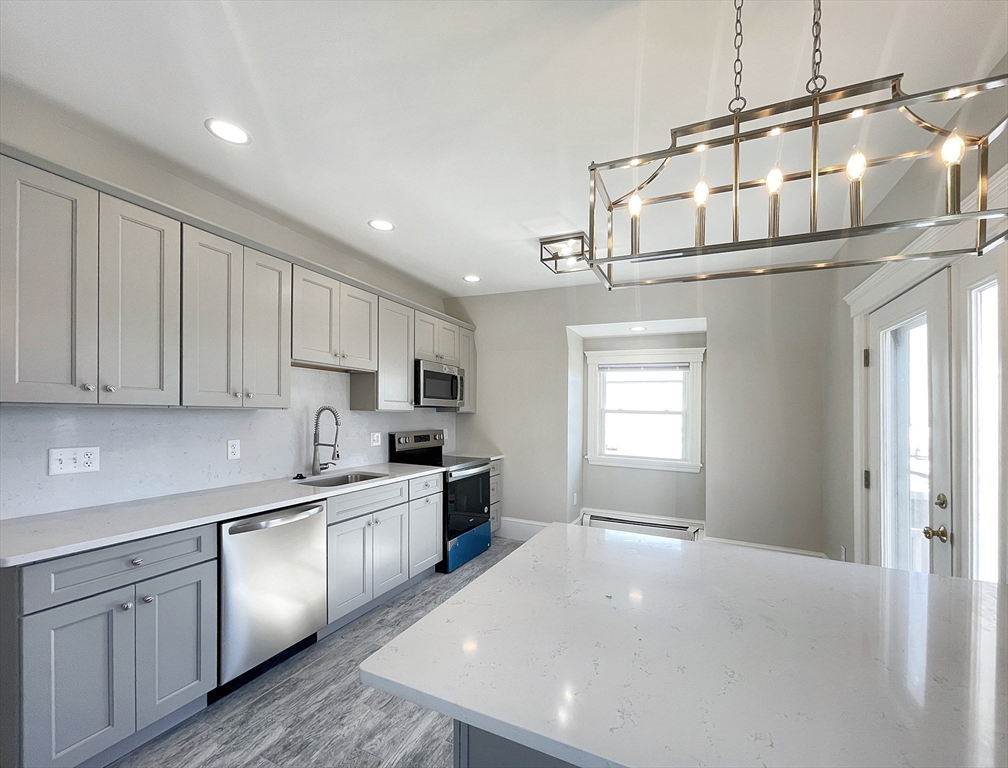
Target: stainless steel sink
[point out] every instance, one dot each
(330, 481)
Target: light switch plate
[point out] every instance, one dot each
(69, 461)
(234, 449)
(375, 438)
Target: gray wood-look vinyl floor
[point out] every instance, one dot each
(312, 709)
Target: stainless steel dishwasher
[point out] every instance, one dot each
(272, 586)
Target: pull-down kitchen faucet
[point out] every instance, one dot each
(317, 468)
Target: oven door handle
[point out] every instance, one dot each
(462, 473)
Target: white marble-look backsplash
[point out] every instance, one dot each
(156, 451)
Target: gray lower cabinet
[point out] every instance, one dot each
(426, 533)
(176, 640)
(78, 669)
(98, 669)
(368, 556)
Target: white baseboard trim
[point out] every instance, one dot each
(518, 528)
(636, 517)
(790, 550)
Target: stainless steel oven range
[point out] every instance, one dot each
(466, 495)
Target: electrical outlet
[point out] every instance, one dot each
(375, 438)
(234, 449)
(68, 461)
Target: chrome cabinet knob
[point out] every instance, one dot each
(149, 599)
(110, 388)
(250, 395)
(369, 524)
(941, 501)
(238, 395)
(89, 387)
(127, 606)
(137, 561)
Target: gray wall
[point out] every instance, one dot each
(46, 130)
(648, 492)
(764, 378)
(153, 451)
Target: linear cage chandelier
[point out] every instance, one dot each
(630, 255)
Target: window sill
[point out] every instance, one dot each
(628, 462)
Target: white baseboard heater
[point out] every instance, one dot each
(651, 525)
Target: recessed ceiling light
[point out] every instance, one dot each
(471, 278)
(230, 132)
(381, 225)
(637, 328)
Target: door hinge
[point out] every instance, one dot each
(867, 479)
(867, 357)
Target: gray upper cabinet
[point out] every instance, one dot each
(448, 342)
(266, 331)
(335, 325)
(48, 287)
(426, 336)
(467, 362)
(78, 672)
(316, 319)
(391, 387)
(139, 305)
(358, 328)
(212, 270)
(176, 640)
(436, 339)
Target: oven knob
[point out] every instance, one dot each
(403, 439)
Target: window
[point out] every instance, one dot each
(644, 408)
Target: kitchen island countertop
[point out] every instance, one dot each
(604, 648)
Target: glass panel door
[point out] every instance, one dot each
(910, 509)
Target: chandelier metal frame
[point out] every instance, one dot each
(814, 104)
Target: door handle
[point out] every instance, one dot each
(941, 532)
(942, 501)
(271, 522)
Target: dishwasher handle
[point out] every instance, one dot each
(271, 521)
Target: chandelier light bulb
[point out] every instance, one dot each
(566, 249)
(774, 180)
(953, 150)
(635, 205)
(700, 193)
(856, 165)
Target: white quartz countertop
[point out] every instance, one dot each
(41, 537)
(605, 648)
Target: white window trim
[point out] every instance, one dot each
(692, 355)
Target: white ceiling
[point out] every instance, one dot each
(468, 125)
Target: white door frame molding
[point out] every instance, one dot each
(881, 287)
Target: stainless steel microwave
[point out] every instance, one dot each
(437, 384)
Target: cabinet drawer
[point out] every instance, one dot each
(357, 503)
(495, 516)
(425, 486)
(59, 581)
(495, 467)
(495, 489)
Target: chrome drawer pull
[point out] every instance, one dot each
(127, 606)
(149, 599)
(137, 561)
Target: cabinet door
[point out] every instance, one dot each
(349, 566)
(266, 334)
(426, 337)
(426, 533)
(77, 669)
(211, 319)
(358, 328)
(395, 356)
(316, 318)
(467, 362)
(139, 305)
(48, 287)
(390, 558)
(176, 640)
(448, 343)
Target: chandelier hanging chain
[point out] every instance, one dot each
(738, 103)
(817, 82)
